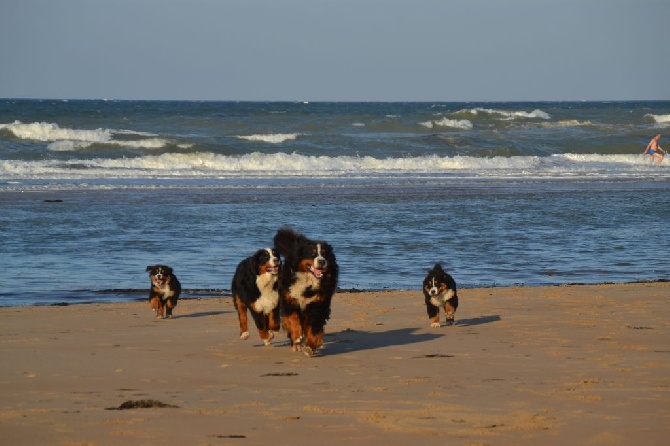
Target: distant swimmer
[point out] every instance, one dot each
(655, 151)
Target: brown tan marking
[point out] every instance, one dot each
(313, 341)
(242, 313)
(292, 326)
(156, 305)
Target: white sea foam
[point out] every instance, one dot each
(661, 120)
(593, 158)
(461, 124)
(67, 145)
(210, 165)
(133, 132)
(566, 123)
(508, 115)
(45, 131)
(65, 139)
(273, 138)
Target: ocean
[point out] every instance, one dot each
(501, 194)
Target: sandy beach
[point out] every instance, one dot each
(587, 365)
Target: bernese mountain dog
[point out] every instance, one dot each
(254, 287)
(306, 286)
(439, 289)
(165, 290)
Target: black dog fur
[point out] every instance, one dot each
(307, 283)
(255, 287)
(439, 289)
(165, 290)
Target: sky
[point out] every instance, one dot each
(336, 50)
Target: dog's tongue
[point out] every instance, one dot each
(318, 272)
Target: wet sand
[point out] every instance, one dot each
(587, 365)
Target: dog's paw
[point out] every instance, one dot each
(244, 336)
(295, 347)
(271, 335)
(308, 351)
(434, 325)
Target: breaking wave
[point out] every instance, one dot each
(66, 139)
(505, 114)
(461, 124)
(275, 138)
(252, 165)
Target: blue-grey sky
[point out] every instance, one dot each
(336, 50)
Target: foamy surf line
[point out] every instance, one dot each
(65, 139)
(661, 121)
(210, 165)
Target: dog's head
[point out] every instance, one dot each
(436, 281)
(267, 261)
(302, 255)
(160, 274)
(316, 258)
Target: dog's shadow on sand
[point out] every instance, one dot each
(478, 320)
(348, 341)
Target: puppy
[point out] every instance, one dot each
(254, 287)
(439, 289)
(165, 290)
(306, 286)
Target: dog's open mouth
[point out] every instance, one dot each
(318, 272)
(159, 282)
(272, 269)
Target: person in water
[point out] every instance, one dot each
(655, 151)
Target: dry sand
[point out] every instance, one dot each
(579, 365)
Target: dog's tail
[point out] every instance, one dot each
(285, 239)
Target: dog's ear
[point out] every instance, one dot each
(168, 270)
(256, 259)
(149, 268)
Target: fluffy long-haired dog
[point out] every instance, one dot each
(165, 290)
(306, 286)
(439, 289)
(255, 287)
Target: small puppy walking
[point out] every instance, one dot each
(439, 289)
(165, 290)
(255, 287)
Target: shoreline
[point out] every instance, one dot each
(213, 293)
(523, 365)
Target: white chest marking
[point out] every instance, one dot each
(269, 296)
(442, 299)
(297, 290)
(166, 292)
